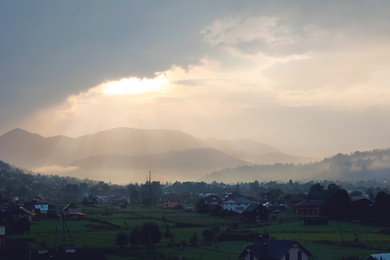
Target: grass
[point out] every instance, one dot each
(99, 230)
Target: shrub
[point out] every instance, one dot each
(121, 239)
(194, 239)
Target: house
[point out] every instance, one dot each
(120, 201)
(16, 219)
(268, 249)
(383, 256)
(172, 203)
(41, 208)
(292, 201)
(233, 195)
(212, 201)
(102, 199)
(277, 208)
(263, 196)
(237, 205)
(254, 213)
(48, 209)
(308, 207)
(2, 235)
(74, 213)
(40, 199)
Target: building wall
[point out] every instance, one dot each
(294, 254)
(248, 257)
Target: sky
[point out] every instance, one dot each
(307, 77)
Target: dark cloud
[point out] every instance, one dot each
(50, 50)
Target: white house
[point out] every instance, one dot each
(237, 204)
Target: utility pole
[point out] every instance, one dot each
(181, 251)
(150, 208)
(215, 232)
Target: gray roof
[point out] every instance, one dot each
(383, 256)
(252, 207)
(239, 200)
(272, 249)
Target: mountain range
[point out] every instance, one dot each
(358, 166)
(124, 155)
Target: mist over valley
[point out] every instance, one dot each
(126, 155)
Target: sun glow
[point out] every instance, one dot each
(135, 86)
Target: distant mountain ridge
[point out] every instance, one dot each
(368, 165)
(90, 156)
(125, 155)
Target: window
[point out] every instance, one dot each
(299, 255)
(287, 256)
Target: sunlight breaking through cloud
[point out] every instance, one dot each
(134, 86)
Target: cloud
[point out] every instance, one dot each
(55, 169)
(311, 61)
(134, 86)
(264, 30)
(237, 88)
(289, 73)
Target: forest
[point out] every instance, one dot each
(26, 185)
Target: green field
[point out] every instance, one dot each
(99, 229)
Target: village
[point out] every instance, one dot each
(186, 223)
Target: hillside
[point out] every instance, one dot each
(184, 166)
(254, 152)
(370, 165)
(22, 148)
(124, 155)
(93, 156)
(169, 166)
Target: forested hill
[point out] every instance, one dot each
(26, 185)
(370, 165)
(358, 166)
(4, 166)
(364, 169)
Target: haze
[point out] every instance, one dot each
(308, 77)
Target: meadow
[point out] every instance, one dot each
(103, 222)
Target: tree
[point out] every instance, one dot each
(134, 196)
(150, 234)
(134, 236)
(208, 235)
(274, 195)
(83, 187)
(72, 192)
(254, 186)
(370, 192)
(331, 190)
(194, 239)
(316, 192)
(201, 205)
(121, 239)
(381, 208)
(337, 206)
(356, 193)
